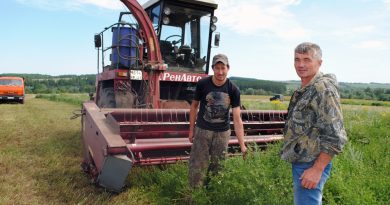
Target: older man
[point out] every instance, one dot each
(314, 131)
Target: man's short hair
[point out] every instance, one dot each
(309, 48)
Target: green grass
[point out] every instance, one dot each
(255, 102)
(75, 99)
(365, 102)
(365, 163)
(40, 154)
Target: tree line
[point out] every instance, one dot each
(38, 83)
(381, 94)
(251, 86)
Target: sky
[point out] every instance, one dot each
(55, 37)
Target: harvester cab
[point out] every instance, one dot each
(147, 73)
(184, 32)
(159, 71)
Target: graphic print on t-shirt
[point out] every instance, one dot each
(217, 107)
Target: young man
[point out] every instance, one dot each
(314, 130)
(214, 96)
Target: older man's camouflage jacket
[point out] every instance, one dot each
(314, 122)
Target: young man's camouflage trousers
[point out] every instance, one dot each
(208, 149)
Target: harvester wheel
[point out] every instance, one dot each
(90, 169)
(108, 98)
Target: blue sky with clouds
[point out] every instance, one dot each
(55, 37)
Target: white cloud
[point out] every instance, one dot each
(251, 17)
(50, 4)
(371, 44)
(108, 4)
(73, 4)
(363, 29)
(353, 31)
(387, 3)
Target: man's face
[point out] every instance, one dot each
(220, 71)
(306, 65)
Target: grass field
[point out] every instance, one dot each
(40, 154)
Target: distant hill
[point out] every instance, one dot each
(296, 84)
(369, 91)
(252, 86)
(365, 85)
(38, 83)
(46, 77)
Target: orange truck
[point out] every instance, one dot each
(12, 89)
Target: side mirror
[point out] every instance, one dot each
(98, 41)
(217, 38)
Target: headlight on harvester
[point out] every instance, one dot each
(214, 19)
(122, 74)
(165, 20)
(213, 27)
(167, 11)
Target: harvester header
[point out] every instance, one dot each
(147, 75)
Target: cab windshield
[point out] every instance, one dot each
(11, 82)
(184, 38)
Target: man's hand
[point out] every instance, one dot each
(239, 130)
(244, 151)
(191, 136)
(311, 177)
(193, 113)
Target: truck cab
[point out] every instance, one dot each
(12, 89)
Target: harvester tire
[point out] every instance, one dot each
(108, 98)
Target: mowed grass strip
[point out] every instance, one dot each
(40, 154)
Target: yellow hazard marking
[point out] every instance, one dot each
(151, 44)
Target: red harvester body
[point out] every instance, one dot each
(140, 114)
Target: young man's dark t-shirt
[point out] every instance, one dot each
(215, 102)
